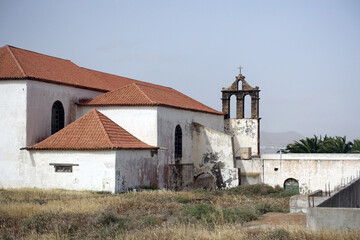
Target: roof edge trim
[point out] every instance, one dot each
(53, 82)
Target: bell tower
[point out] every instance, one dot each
(246, 131)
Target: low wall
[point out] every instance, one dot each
(334, 218)
(312, 171)
(300, 203)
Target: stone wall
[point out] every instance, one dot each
(212, 155)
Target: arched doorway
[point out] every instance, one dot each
(291, 184)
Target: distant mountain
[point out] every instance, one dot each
(271, 142)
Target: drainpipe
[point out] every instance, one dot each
(263, 168)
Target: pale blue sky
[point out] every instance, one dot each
(304, 55)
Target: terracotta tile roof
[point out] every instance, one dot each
(16, 63)
(93, 131)
(139, 94)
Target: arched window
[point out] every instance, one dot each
(57, 117)
(178, 142)
(232, 109)
(247, 106)
(290, 184)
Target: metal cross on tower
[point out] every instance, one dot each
(240, 68)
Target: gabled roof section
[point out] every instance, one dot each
(139, 94)
(16, 63)
(93, 131)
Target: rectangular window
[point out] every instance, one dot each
(63, 167)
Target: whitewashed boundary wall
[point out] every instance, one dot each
(312, 171)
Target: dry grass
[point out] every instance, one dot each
(59, 214)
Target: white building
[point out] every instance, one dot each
(41, 98)
(64, 126)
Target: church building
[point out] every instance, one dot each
(69, 127)
(65, 126)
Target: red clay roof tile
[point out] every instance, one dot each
(138, 94)
(16, 63)
(93, 131)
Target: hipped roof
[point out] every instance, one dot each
(93, 131)
(138, 94)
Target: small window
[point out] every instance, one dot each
(57, 117)
(178, 142)
(60, 168)
(65, 168)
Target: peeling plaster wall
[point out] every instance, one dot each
(168, 118)
(212, 154)
(135, 168)
(13, 128)
(139, 121)
(312, 171)
(40, 98)
(246, 134)
(96, 170)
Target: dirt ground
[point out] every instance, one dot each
(274, 219)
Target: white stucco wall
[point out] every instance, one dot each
(95, 171)
(312, 171)
(212, 153)
(139, 121)
(246, 134)
(40, 98)
(136, 168)
(13, 128)
(168, 119)
(156, 126)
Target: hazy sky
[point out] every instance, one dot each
(304, 55)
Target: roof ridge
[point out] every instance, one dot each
(157, 86)
(102, 125)
(147, 97)
(39, 53)
(137, 80)
(16, 61)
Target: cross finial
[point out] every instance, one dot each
(240, 68)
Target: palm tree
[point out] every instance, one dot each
(337, 145)
(356, 146)
(308, 145)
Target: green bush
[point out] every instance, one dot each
(263, 208)
(236, 215)
(204, 212)
(255, 189)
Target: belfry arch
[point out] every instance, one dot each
(240, 94)
(245, 130)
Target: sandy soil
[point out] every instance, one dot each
(273, 220)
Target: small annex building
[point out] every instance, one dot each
(112, 158)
